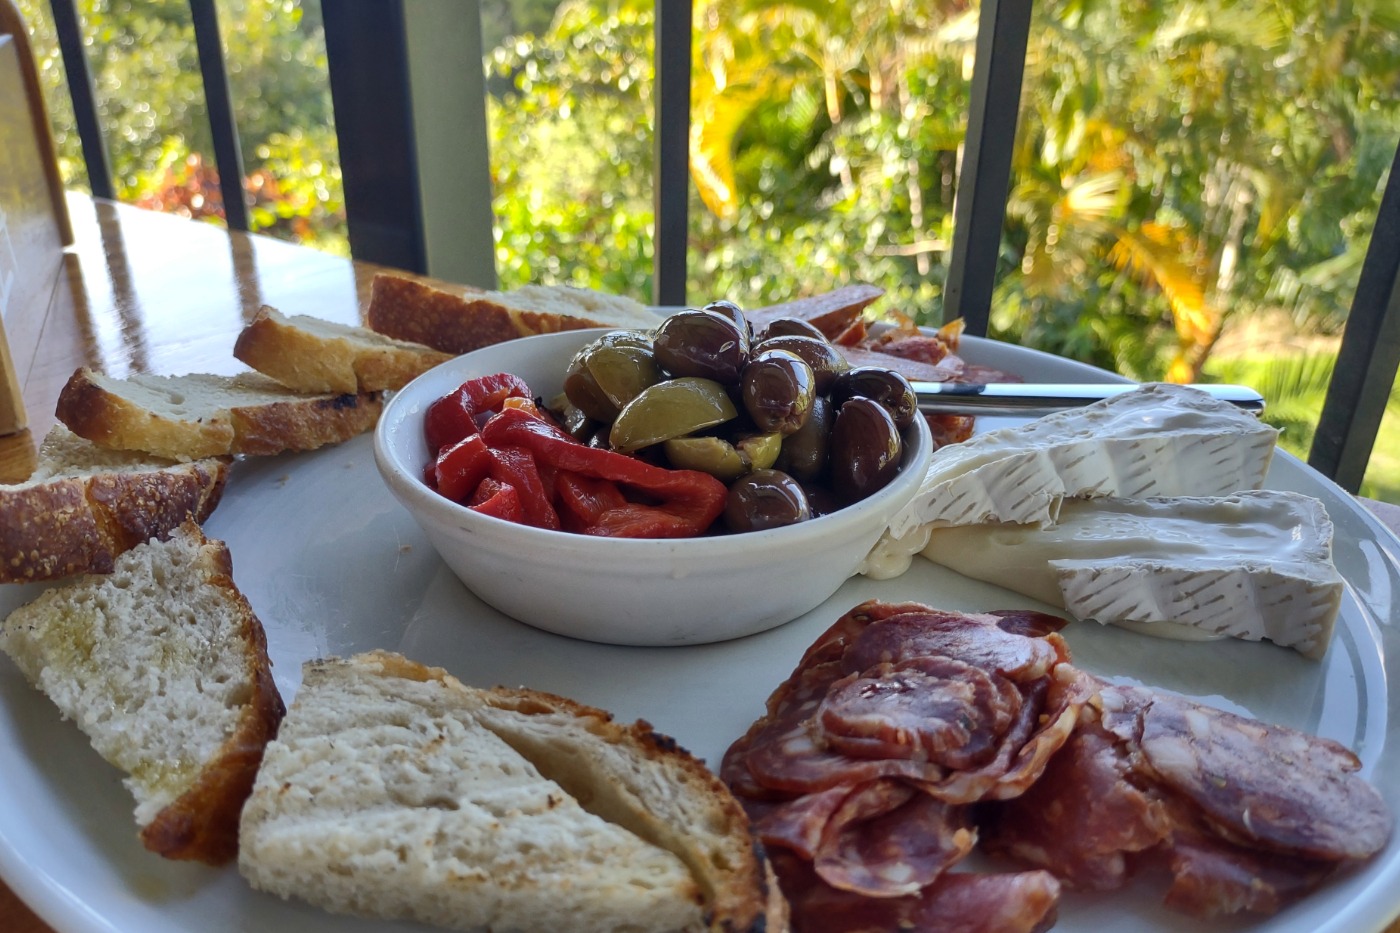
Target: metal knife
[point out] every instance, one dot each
(1011, 398)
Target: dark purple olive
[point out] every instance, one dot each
(792, 327)
(826, 361)
(732, 311)
(865, 449)
(702, 343)
(804, 450)
(885, 386)
(765, 499)
(777, 389)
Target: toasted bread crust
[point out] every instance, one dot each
(80, 524)
(342, 363)
(831, 312)
(298, 423)
(743, 896)
(202, 823)
(92, 412)
(406, 309)
(262, 430)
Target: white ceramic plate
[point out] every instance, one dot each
(333, 566)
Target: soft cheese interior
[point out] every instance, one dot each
(1253, 565)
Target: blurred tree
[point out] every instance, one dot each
(151, 104)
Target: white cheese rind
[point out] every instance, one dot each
(1254, 565)
(1158, 440)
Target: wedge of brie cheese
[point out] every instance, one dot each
(1253, 565)
(1159, 440)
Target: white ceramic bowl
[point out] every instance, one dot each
(622, 591)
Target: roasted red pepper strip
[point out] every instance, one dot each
(514, 466)
(690, 501)
(583, 499)
(457, 414)
(499, 500)
(460, 468)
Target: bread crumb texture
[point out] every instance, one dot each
(385, 795)
(150, 661)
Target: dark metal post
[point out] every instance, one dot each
(228, 157)
(366, 53)
(979, 212)
(1369, 355)
(672, 148)
(75, 66)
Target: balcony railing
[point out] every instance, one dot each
(396, 143)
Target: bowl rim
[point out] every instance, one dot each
(403, 480)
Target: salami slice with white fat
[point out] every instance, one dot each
(928, 708)
(977, 640)
(1273, 787)
(886, 840)
(1240, 815)
(957, 902)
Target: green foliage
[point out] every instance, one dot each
(151, 105)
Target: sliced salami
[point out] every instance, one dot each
(973, 639)
(1270, 786)
(958, 902)
(885, 840)
(927, 709)
(1082, 818)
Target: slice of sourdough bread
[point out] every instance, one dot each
(164, 666)
(198, 415)
(458, 322)
(84, 505)
(390, 793)
(313, 355)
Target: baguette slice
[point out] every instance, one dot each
(394, 791)
(312, 355)
(85, 504)
(195, 416)
(407, 309)
(164, 666)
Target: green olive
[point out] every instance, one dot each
(760, 450)
(639, 339)
(765, 499)
(865, 449)
(702, 343)
(826, 361)
(583, 391)
(622, 372)
(777, 389)
(571, 418)
(670, 409)
(712, 455)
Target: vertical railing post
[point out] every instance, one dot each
(672, 148)
(366, 54)
(1369, 355)
(979, 210)
(228, 156)
(79, 74)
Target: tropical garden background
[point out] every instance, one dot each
(1193, 189)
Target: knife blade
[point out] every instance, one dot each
(1011, 398)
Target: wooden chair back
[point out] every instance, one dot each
(34, 223)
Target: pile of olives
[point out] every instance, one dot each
(779, 416)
